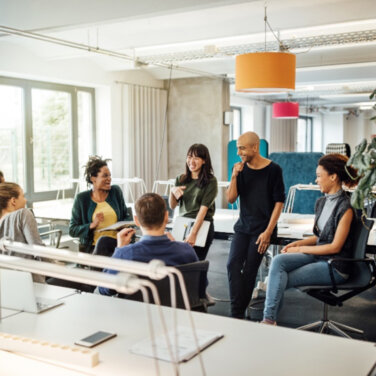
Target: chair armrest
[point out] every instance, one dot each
(349, 260)
(57, 231)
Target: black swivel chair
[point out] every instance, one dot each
(194, 275)
(362, 277)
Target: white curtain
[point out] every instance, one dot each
(143, 118)
(283, 135)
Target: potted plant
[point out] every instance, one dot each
(364, 161)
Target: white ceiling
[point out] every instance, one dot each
(337, 56)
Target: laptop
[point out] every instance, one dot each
(17, 292)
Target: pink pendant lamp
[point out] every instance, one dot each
(285, 110)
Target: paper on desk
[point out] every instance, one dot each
(186, 345)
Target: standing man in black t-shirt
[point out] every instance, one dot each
(259, 184)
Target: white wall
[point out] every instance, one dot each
(358, 127)
(332, 129)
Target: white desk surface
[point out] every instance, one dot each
(54, 210)
(45, 291)
(290, 225)
(53, 292)
(247, 348)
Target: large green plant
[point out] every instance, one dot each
(364, 160)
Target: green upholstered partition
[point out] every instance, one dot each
(299, 168)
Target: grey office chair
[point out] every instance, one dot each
(362, 277)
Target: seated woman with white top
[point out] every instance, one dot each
(305, 262)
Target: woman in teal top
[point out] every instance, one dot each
(195, 193)
(86, 218)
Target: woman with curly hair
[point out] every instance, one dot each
(97, 208)
(195, 193)
(305, 262)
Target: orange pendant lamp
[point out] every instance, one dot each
(266, 71)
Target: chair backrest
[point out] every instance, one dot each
(335, 148)
(360, 272)
(194, 275)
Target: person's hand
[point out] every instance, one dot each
(287, 246)
(295, 249)
(178, 191)
(99, 217)
(124, 236)
(263, 241)
(191, 239)
(238, 167)
(169, 235)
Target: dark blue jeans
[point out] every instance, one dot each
(294, 270)
(242, 266)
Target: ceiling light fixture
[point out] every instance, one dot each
(266, 71)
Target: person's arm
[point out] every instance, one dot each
(76, 226)
(124, 215)
(232, 190)
(311, 240)
(124, 237)
(264, 238)
(335, 246)
(175, 195)
(30, 228)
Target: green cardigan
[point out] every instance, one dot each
(82, 213)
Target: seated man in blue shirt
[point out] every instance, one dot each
(151, 216)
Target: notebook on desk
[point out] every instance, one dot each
(187, 347)
(17, 292)
(118, 226)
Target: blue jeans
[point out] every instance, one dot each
(294, 270)
(242, 266)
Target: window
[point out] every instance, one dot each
(236, 125)
(304, 138)
(47, 131)
(12, 133)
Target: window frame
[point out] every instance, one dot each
(236, 108)
(28, 152)
(309, 131)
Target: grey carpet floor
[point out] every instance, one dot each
(299, 308)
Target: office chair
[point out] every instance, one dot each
(335, 148)
(362, 277)
(194, 275)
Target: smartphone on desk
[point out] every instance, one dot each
(95, 339)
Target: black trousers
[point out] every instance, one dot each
(242, 267)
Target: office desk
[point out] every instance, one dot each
(45, 291)
(247, 348)
(291, 226)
